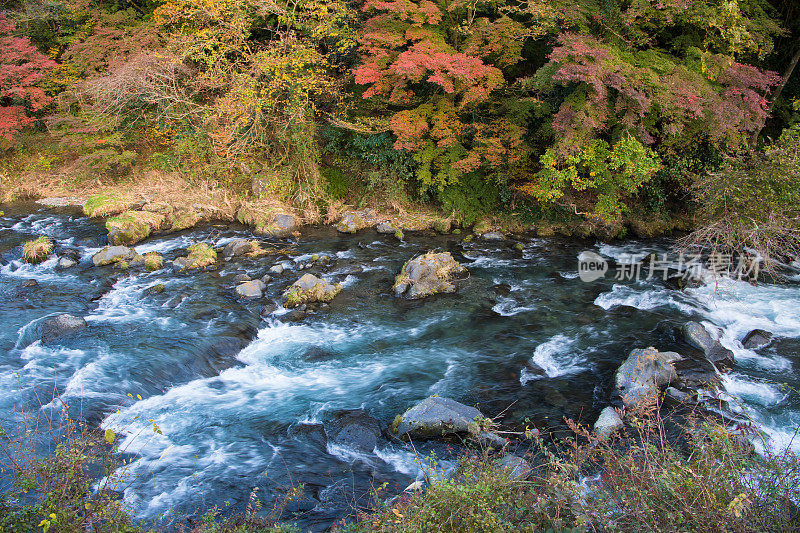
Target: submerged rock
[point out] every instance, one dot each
(608, 423)
(131, 227)
(113, 254)
(251, 289)
(57, 326)
(436, 417)
(493, 236)
(356, 429)
(698, 336)
(757, 339)
(309, 289)
(426, 275)
(643, 373)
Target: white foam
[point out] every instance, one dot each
(556, 357)
(645, 299)
(509, 307)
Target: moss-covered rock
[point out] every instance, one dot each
(428, 274)
(103, 205)
(153, 261)
(481, 226)
(131, 227)
(37, 250)
(200, 255)
(442, 225)
(269, 221)
(309, 289)
(113, 254)
(354, 221)
(181, 219)
(437, 417)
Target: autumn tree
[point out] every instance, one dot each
(22, 68)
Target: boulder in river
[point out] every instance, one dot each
(442, 225)
(608, 423)
(355, 428)
(57, 326)
(353, 221)
(131, 227)
(37, 250)
(251, 289)
(181, 219)
(309, 289)
(271, 221)
(66, 262)
(643, 373)
(152, 261)
(757, 339)
(698, 336)
(493, 236)
(238, 247)
(426, 275)
(200, 255)
(113, 254)
(436, 417)
(386, 228)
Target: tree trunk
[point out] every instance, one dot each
(778, 91)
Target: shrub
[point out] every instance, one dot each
(37, 250)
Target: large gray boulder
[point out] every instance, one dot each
(757, 339)
(698, 336)
(251, 289)
(310, 289)
(643, 373)
(356, 429)
(113, 254)
(56, 326)
(282, 225)
(608, 423)
(387, 228)
(436, 417)
(428, 274)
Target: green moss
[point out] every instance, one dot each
(398, 419)
(201, 255)
(133, 226)
(399, 234)
(37, 250)
(153, 261)
(103, 205)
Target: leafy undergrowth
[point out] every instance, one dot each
(707, 480)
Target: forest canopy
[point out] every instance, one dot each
(608, 110)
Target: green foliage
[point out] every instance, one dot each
(614, 172)
(470, 200)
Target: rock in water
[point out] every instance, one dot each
(251, 289)
(386, 228)
(608, 423)
(309, 289)
(57, 326)
(493, 236)
(354, 428)
(354, 221)
(696, 335)
(237, 247)
(426, 275)
(643, 373)
(757, 339)
(66, 262)
(113, 254)
(516, 467)
(131, 227)
(436, 417)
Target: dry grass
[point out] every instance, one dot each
(37, 250)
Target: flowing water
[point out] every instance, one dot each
(237, 395)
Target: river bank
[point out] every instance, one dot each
(241, 387)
